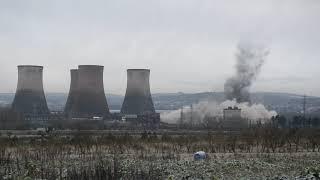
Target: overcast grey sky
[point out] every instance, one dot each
(189, 45)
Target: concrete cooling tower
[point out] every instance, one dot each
(29, 98)
(87, 92)
(138, 100)
(72, 92)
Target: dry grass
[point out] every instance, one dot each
(251, 153)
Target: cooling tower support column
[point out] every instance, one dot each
(138, 100)
(29, 98)
(90, 99)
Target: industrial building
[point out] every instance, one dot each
(231, 113)
(232, 118)
(30, 99)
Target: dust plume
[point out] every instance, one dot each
(253, 112)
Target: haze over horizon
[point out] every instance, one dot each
(189, 45)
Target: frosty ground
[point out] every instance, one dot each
(249, 155)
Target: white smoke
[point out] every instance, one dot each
(254, 112)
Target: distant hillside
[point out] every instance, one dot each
(56, 101)
(281, 102)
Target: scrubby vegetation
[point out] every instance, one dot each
(263, 153)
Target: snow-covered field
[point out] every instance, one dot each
(152, 157)
(228, 166)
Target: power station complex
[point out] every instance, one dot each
(86, 101)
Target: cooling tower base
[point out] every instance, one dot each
(30, 102)
(91, 104)
(136, 104)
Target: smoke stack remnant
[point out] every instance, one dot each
(72, 92)
(29, 98)
(138, 98)
(249, 62)
(88, 92)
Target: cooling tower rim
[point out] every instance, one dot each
(30, 66)
(90, 67)
(138, 70)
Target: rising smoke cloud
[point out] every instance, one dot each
(250, 58)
